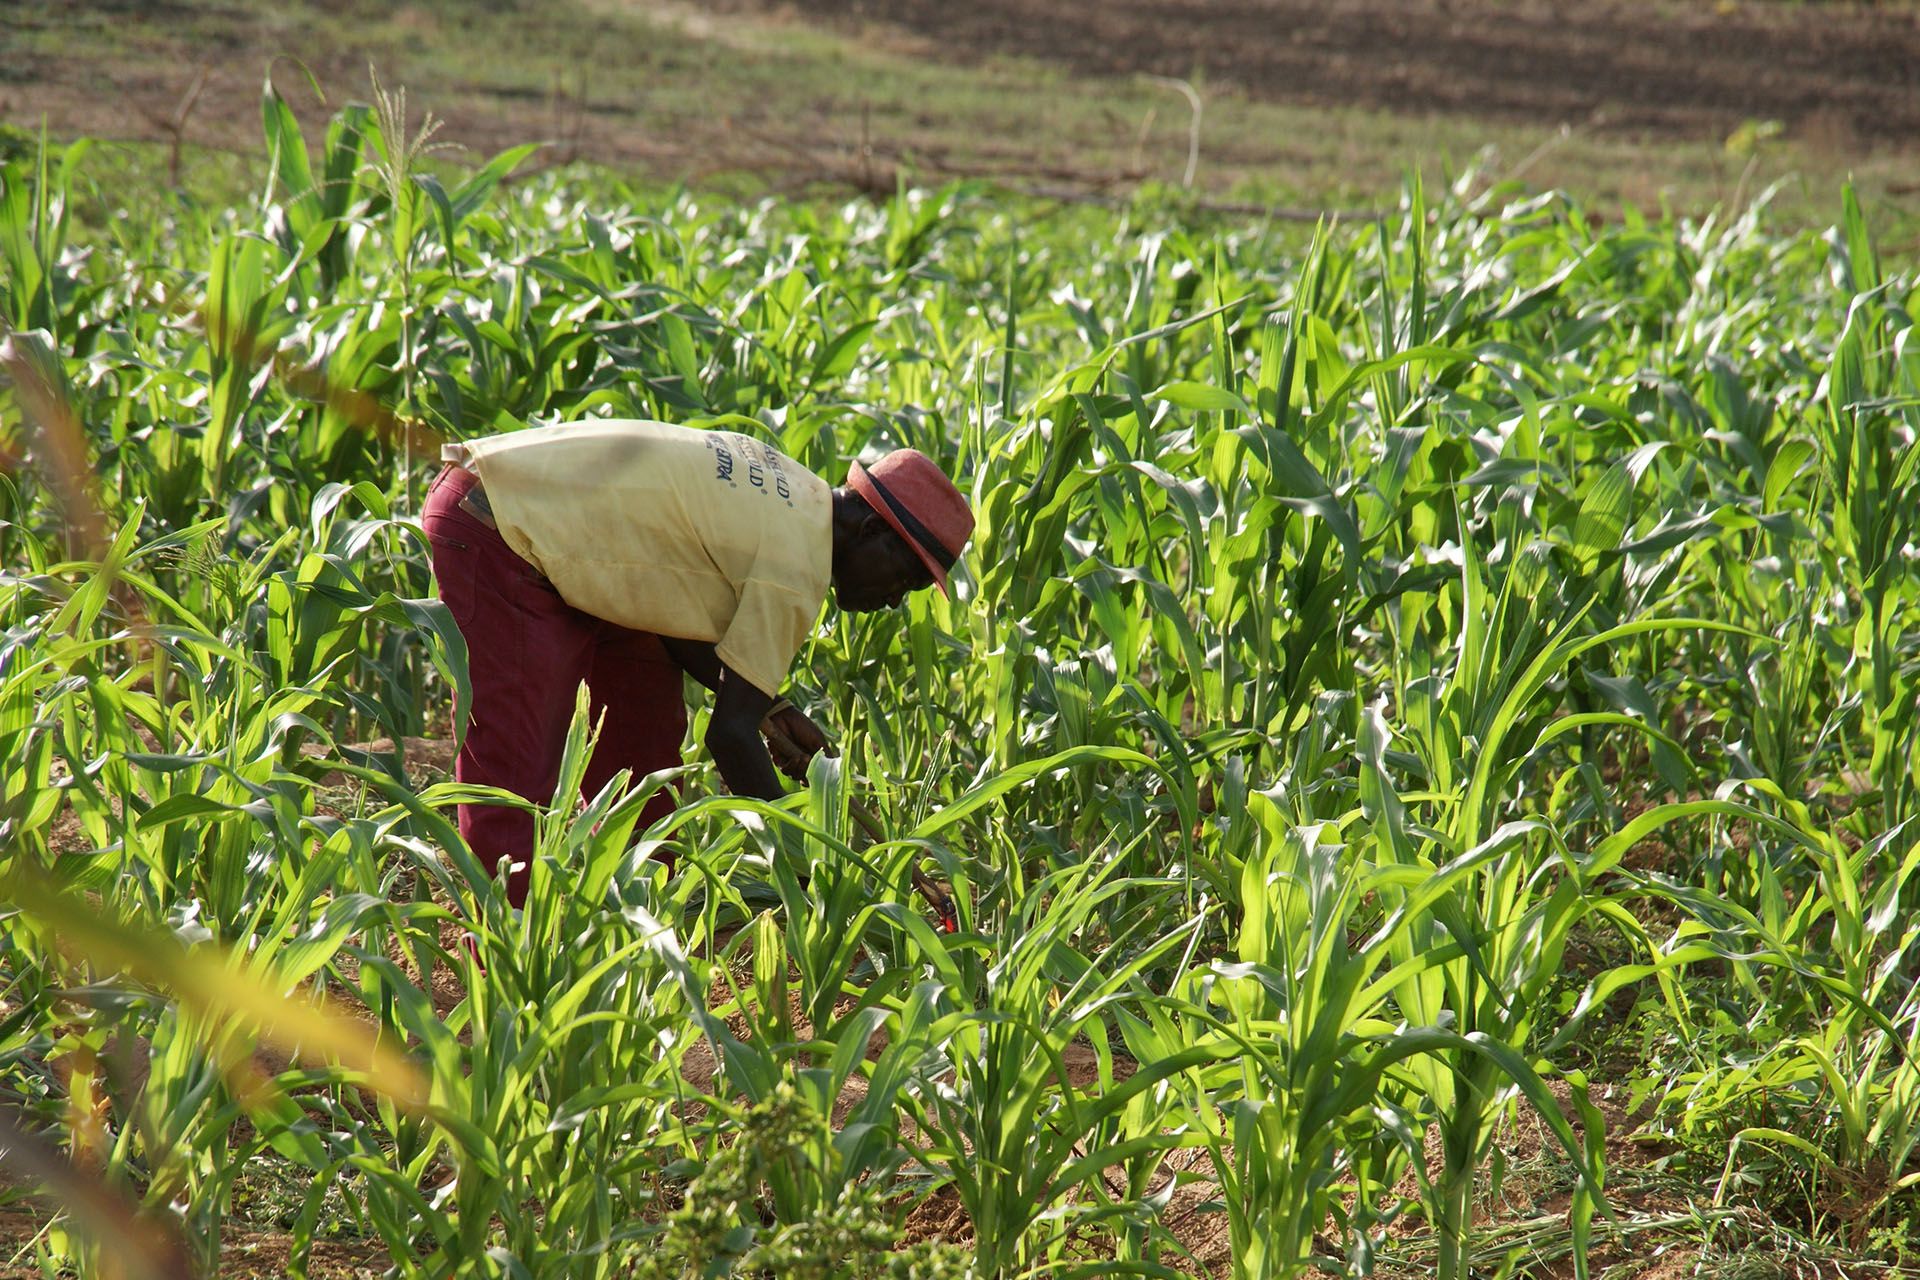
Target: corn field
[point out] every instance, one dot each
(1409, 681)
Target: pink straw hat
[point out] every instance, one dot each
(916, 498)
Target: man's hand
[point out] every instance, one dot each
(794, 741)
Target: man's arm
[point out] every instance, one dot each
(733, 737)
(698, 659)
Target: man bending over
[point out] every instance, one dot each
(623, 553)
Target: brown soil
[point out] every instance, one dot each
(171, 88)
(427, 760)
(1690, 70)
(1841, 78)
(243, 1254)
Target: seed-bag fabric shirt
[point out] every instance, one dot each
(700, 535)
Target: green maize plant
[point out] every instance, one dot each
(1401, 673)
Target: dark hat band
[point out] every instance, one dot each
(930, 544)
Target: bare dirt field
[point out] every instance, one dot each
(1682, 69)
(1320, 103)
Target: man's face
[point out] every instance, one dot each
(877, 572)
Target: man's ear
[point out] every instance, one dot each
(874, 525)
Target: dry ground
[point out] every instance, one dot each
(1839, 74)
(1316, 103)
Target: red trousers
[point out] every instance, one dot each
(527, 652)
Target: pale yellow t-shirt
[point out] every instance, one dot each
(700, 535)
